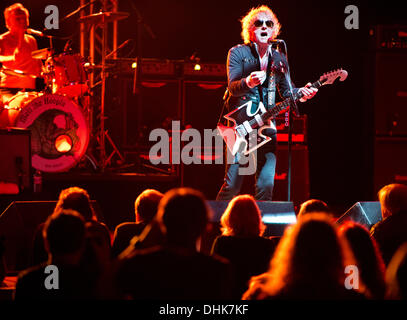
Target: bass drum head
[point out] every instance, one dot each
(13, 106)
(59, 132)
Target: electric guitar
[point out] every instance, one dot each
(245, 135)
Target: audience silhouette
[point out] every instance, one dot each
(65, 239)
(390, 232)
(145, 206)
(176, 269)
(309, 263)
(73, 198)
(242, 243)
(368, 259)
(396, 275)
(312, 206)
(159, 255)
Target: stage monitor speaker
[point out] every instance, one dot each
(390, 158)
(276, 215)
(18, 224)
(15, 160)
(300, 184)
(132, 116)
(203, 101)
(390, 93)
(366, 213)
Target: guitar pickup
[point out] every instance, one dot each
(241, 131)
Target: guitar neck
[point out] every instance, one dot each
(279, 107)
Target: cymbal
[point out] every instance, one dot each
(15, 72)
(41, 54)
(103, 16)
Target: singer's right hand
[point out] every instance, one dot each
(256, 78)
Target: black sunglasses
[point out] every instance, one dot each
(259, 23)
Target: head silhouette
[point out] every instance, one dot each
(312, 206)
(77, 199)
(64, 233)
(242, 217)
(146, 205)
(393, 199)
(310, 254)
(367, 256)
(183, 215)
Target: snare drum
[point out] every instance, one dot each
(68, 75)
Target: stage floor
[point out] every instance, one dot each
(114, 192)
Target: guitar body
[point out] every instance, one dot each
(246, 133)
(251, 120)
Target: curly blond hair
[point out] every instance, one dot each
(248, 21)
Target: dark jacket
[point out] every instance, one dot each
(242, 60)
(389, 234)
(173, 273)
(250, 256)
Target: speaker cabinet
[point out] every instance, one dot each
(390, 93)
(202, 105)
(366, 213)
(132, 116)
(203, 101)
(390, 158)
(15, 160)
(300, 185)
(18, 224)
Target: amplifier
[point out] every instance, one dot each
(167, 68)
(217, 70)
(392, 37)
(299, 129)
(159, 67)
(15, 160)
(149, 67)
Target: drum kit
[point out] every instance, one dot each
(59, 116)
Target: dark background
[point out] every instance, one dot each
(339, 121)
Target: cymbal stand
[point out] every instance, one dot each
(104, 133)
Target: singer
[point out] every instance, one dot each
(254, 72)
(15, 53)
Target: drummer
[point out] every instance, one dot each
(15, 53)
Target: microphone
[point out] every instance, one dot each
(276, 41)
(35, 32)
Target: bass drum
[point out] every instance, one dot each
(59, 132)
(13, 106)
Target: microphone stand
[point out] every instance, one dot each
(78, 10)
(293, 106)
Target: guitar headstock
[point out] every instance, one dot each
(330, 77)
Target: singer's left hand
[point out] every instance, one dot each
(308, 92)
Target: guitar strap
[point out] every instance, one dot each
(271, 89)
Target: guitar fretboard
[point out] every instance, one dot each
(279, 107)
